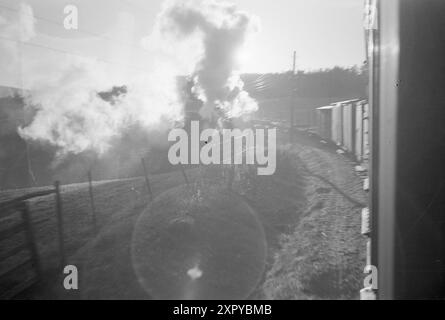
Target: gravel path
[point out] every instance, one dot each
(324, 257)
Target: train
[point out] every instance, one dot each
(399, 133)
(406, 60)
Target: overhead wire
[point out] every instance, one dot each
(80, 30)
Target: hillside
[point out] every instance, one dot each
(32, 164)
(312, 232)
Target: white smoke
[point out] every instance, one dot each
(216, 32)
(62, 91)
(14, 29)
(205, 37)
(72, 116)
(20, 27)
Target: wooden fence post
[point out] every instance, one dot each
(60, 224)
(30, 238)
(231, 176)
(147, 182)
(93, 207)
(184, 175)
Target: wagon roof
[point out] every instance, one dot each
(325, 108)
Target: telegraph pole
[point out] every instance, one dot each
(291, 104)
(30, 178)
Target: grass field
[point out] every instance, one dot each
(199, 242)
(311, 233)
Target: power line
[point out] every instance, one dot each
(72, 54)
(126, 2)
(84, 31)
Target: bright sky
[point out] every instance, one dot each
(324, 33)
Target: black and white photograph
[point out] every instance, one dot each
(222, 150)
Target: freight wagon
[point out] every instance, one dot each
(346, 124)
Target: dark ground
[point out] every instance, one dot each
(310, 218)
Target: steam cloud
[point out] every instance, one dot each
(13, 30)
(220, 30)
(63, 92)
